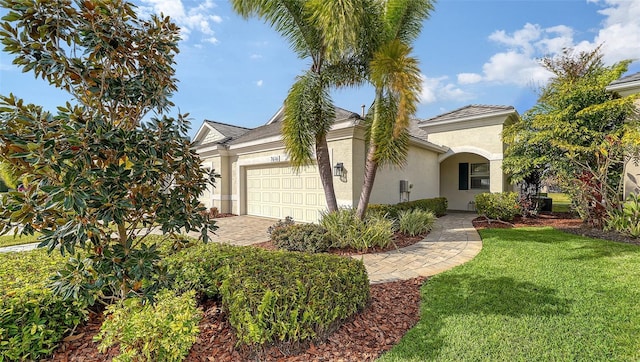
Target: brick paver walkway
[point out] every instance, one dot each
(453, 241)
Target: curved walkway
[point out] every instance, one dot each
(453, 241)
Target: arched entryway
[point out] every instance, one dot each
(463, 175)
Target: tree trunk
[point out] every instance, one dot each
(326, 171)
(371, 165)
(369, 177)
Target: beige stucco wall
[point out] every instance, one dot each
(486, 138)
(421, 170)
(459, 199)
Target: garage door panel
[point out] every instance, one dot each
(277, 192)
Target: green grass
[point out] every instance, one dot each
(9, 240)
(532, 294)
(561, 202)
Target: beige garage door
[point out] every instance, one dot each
(278, 192)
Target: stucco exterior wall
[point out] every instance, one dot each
(487, 138)
(459, 199)
(421, 170)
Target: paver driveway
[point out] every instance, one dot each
(452, 242)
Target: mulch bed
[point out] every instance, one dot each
(400, 240)
(561, 221)
(393, 310)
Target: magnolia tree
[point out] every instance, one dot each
(94, 173)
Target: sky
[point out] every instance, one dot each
(239, 71)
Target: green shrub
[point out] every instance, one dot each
(383, 210)
(627, 220)
(32, 319)
(499, 206)
(416, 221)
(291, 297)
(310, 238)
(437, 205)
(288, 221)
(160, 331)
(202, 268)
(346, 230)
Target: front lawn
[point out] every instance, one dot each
(10, 239)
(532, 294)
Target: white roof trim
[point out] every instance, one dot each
(507, 112)
(626, 86)
(275, 116)
(471, 149)
(200, 134)
(428, 145)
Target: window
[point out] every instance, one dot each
(479, 176)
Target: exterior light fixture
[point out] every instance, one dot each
(338, 169)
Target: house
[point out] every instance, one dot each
(627, 86)
(455, 155)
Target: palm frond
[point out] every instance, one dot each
(404, 18)
(308, 111)
(396, 72)
(291, 18)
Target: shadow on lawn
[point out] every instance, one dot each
(452, 295)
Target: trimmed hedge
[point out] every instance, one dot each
(292, 297)
(498, 206)
(437, 205)
(274, 297)
(32, 320)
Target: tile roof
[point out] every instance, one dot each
(470, 111)
(628, 79)
(273, 128)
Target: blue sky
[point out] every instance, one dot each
(471, 51)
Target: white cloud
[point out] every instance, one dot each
(255, 56)
(469, 78)
(514, 68)
(619, 35)
(439, 89)
(259, 83)
(198, 18)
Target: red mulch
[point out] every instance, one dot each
(400, 240)
(561, 221)
(393, 310)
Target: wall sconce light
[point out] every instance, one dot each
(338, 169)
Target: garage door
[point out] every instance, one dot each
(278, 192)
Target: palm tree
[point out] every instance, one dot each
(328, 32)
(395, 75)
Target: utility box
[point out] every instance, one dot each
(404, 186)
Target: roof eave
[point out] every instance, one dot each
(506, 112)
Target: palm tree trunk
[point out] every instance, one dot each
(370, 169)
(326, 171)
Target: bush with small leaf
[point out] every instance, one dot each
(32, 320)
(416, 221)
(287, 297)
(498, 206)
(310, 238)
(160, 331)
(288, 221)
(348, 231)
(202, 268)
(626, 220)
